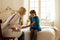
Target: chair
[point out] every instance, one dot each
(4, 38)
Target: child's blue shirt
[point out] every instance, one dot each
(37, 23)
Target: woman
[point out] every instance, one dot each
(12, 25)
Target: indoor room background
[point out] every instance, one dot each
(47, 10)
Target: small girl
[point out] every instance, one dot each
(34, 25)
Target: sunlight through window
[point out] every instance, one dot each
(47, 8)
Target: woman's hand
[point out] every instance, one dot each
(15, 29)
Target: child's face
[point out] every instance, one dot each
(32, 14)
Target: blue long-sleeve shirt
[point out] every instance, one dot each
(37, 23)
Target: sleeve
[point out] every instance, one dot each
(10, 20)
(14, 19)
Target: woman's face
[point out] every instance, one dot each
(22, 11)
(32, 14)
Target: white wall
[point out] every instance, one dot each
(14, 4)
(57, 20)
(57, 16)
(0, 4)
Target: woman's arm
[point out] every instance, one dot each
(29, 25)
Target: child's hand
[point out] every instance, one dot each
(32, 24)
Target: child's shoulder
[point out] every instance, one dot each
(36, 17)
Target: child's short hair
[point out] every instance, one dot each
(33, 11)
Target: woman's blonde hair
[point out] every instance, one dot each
(22, 8)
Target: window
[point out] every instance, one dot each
(48, 9)
(26, 16)
(45, 8)
(34, 5)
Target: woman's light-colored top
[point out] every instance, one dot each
(12, 20)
